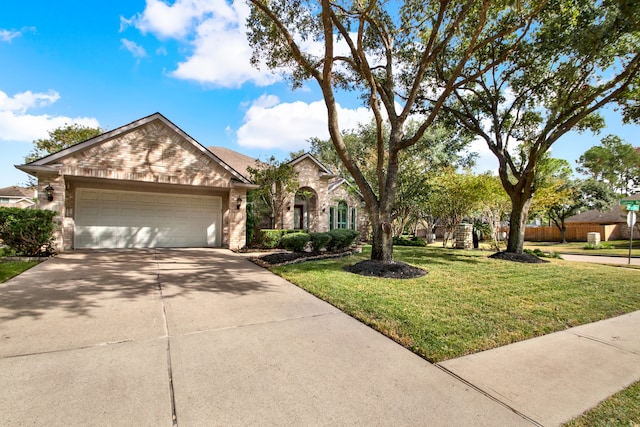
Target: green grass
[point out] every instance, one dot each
(13, 268)
(613, 248)
(467, 302)
(621, 409)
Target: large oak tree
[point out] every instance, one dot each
(581, 56)
(387, 52)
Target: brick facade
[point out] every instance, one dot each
(151, 155)
(155, 156)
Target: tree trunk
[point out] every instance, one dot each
(563, 232)
(517, 221)
(382, 245)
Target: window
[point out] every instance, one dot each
(343, 214)
(353, 218)
(332, 215)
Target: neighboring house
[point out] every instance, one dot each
(611, 224)
(17, 197)
(149, 184)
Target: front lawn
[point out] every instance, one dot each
(468, 302)
(13, 268)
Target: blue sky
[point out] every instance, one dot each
(116, 61)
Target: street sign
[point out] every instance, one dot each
(631, 220)
(632, 205)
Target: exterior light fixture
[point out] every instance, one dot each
(48, 190)
(239, 202)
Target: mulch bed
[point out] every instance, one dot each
(286, 258)
(388, 270)
(523, 257)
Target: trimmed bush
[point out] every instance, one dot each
(295, 242)
(271, 238)
(341, 238)
(408, 241)
(319, 241)
(28, 232)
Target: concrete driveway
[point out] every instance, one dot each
(204, 337)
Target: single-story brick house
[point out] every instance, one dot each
(17, 197)
(149, 184)
(611, 224)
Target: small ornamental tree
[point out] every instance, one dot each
(276, 181)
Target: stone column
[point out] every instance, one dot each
(464, 236)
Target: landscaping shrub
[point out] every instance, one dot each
(601, 245)
(408, 241)
(319, 241)
(295, 242)
(28, 232)
(341, 238)
(271, 238)
(539, 253)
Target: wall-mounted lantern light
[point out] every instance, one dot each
(48, 190)
(324, 208)
(239, 201)
(289, 207)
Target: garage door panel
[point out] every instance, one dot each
(119, 219)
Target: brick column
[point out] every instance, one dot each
(237, 218)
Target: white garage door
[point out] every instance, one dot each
(127, 219)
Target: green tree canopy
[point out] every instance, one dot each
(580, 56)
(61, 138)
(389, 54)
(613, 161)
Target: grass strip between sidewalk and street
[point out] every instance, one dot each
(13, 268)
(468, 302)
(621, 409)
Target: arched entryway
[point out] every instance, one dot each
(305, 209)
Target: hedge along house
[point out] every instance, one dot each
(145, 184)
(321, 202)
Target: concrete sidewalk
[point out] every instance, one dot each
(601, 259)
(204, 337)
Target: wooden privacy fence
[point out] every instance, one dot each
(574, 233)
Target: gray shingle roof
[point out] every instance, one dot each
(15, 191)
(617, 214)
(237, 161)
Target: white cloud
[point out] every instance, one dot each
(486, 160)
(216, 32)
(135, 49)
(21, 102)
(8, 35)
(17, 125)
(171, 21)
(287, 126)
